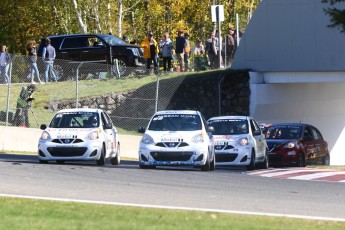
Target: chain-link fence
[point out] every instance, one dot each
(129, 95)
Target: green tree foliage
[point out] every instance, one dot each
(24, 20)
(337, 15)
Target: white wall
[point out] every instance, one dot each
(321, 104)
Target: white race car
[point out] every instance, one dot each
(79, 134)
(238, 140)
(177, 137)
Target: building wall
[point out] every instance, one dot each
(317, 103)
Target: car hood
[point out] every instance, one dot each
(174, 136)
(65, 133)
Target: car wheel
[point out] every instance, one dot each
(59, 72)
(213, 163)
(300, 161)
(60, 162)
(122, 69)
(117, 159)
(251, 165)
(207, 165)
(265, 163)
(43, 162)
(326, 160)
(101, 160)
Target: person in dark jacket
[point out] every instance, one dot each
(180, 45)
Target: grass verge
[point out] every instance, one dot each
(29, 214)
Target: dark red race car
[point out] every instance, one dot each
(296, 144)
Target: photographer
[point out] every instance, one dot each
(23, 105)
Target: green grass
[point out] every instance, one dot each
(37, 214)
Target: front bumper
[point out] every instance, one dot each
(235, 156)
(195, 155)
(84, 150)
(283, 157)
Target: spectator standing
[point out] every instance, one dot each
(180, 45)
(5, 60)
(230, 45)
(187, 52)
(211, 50)
(31, 48)
(199, 49)
(166, 47)
(151, 51)
(48, 56)
(23, 105)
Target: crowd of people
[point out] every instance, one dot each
(176, 55)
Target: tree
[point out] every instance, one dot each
(337, 15)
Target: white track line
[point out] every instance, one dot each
(285, 172)
(315, 175)
(177, 208)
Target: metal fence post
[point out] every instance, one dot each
(77, 85)
(8, 93)
(157, 93)
(220, 96)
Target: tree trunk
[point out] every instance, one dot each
(82, 25)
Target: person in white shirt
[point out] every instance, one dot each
(5, 60)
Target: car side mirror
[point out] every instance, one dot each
(43, 126)
(141, 130)
(108, 126)
(210, 129)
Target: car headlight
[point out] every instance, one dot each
(147, 139)
(243, 141)
(92, 135)
(134, 51)
(199, 138)
(290, 145)
(45, 135)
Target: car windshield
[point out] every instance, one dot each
(284, 132)
(175, 122)
(75, 120)
(111, 40)
(229, 126)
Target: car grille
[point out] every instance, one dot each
(223, 147)
(172, 156)
(67, 152)
(67, 141)
(172, 144)
(226, 157)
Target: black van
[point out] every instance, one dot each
(94, 48)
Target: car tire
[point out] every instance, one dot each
(43, 162)
(116, 160)
(251, 165)
(207, 166)
(101, 160)
(265, 163)
(123, 68)
(326, 160)
(213, 163)
(300, 161)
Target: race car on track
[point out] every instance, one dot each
(238, 141)
(79, 134)
(296, 144)
(176, 138)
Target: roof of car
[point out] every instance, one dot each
(229, 117)
(72, 35)
(177, 112)
(80, 110)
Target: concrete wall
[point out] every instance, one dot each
(317, 103)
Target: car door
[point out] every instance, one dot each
(94, 50)
(320, 145)
(109, 134)
(259, 139)
(309, 145)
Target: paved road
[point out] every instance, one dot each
(224, 189)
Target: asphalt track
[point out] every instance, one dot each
(230, 190)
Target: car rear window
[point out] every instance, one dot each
(175, 122)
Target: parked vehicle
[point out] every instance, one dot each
(297, 144)
(79, 134)
(238, 140)
(93, 48)
(176, 138)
